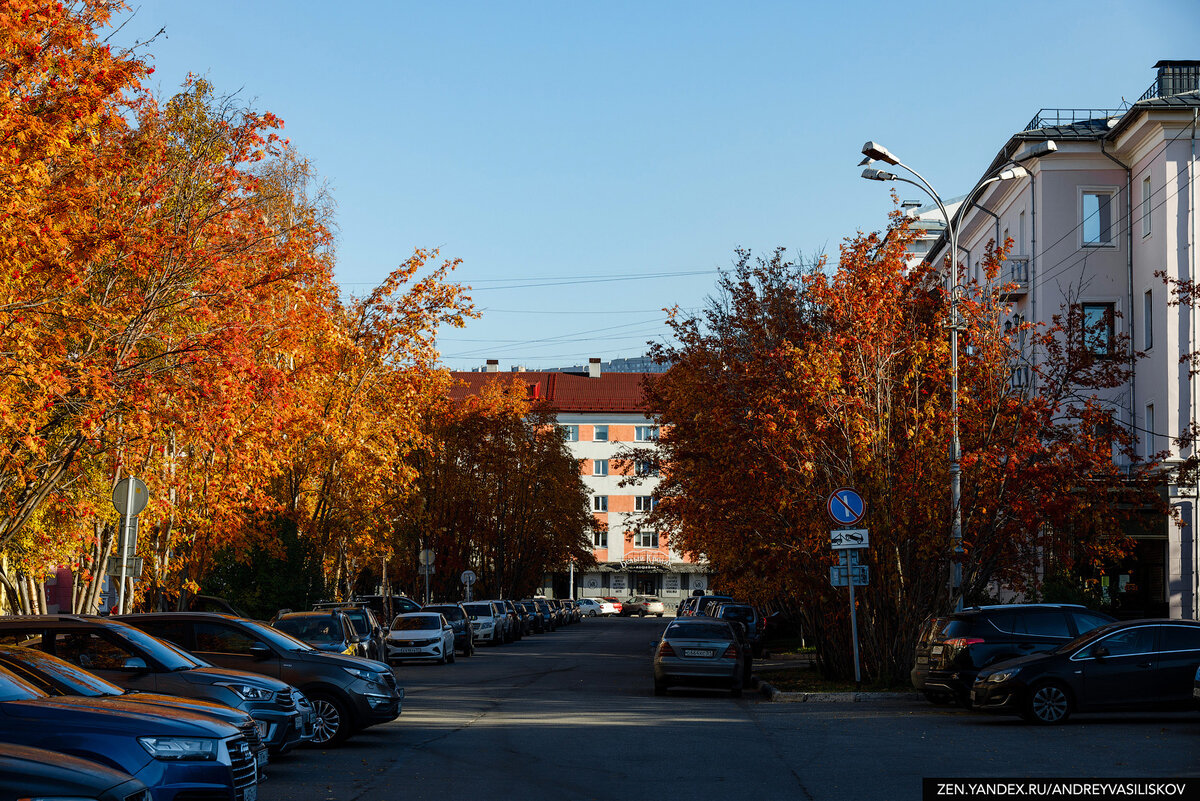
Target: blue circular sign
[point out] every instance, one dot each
(846, 506)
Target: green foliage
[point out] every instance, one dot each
(262, 583)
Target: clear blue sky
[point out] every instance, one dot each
(561, 142)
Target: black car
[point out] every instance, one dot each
(951, 650)
(366, 623)
(37, 773)
(348, 693)
(706, 604)
(57, 677)
(177, 754)
(460, 621)
(531, 619)
(386, 607)
(753, 623)
(129, 658)
(550, 620)
(1136, 664)
(329, 630)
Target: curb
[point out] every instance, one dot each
(773, 694)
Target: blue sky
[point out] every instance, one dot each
(567, 150)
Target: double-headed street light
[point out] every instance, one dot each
(877, 152)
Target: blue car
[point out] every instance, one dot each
(36, 773)
(179, 755)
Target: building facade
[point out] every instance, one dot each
(604, 415)
(1102, 224)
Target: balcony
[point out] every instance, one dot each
(1021, 377)
(1014, 278)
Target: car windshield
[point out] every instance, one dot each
(478, 610)
(1086, 638)
(696, 631)
(171, 657)
(358, 618)
(274, 636)
(56, 673)
(743, 613)
(311, 628)
(451, 612)
(416, 623)
(16, 689)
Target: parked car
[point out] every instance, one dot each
(348, 693)
(387, 607)
(951, 650)
(750, 618)
(460, 621)
(699, 652)
(529, 617)
(607, 607)
(134, 660)
(573, 608)
(175, 755)
(705, 604)
(548, 612)
(516, 624)
(27, 773)
(616, 603)
(57, 677)
(541, 618)
(366, 624)
(642, 605)
(487, 625)
(420, 636)
(328, 630)
(589, 607)
(1135, 664)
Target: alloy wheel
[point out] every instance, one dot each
(1050, 704)
(328, 721)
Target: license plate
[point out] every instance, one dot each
(250, 794)
(937, 649)
(407, 650)
(262, 759)
(697, 652)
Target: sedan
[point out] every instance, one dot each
(1131, 664)
(589, 607)
(609, 606)
(421, 636)
(699, 652)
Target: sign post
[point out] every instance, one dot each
(468, 578)
(426, 560)
(847, 507)
(129, 498)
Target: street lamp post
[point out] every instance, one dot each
(877, 152)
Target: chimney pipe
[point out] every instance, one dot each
(593, 368)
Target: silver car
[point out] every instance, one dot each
(699, 652)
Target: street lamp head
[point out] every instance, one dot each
(1039, 150)
(1015, 171)
(877, 152)
(877, 175)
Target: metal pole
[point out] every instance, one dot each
(853, 616)
(124, 541)
(572, 580)
(955, 455)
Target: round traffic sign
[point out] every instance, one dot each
(468, 577)
(425, 557)
(846, 506)
(130, 503)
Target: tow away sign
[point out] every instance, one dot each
(842, 538)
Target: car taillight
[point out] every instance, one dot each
(761, 624)
(665, 649)
(730, 652)
(963, 642)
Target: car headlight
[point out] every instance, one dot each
(1003, 675)
(247, 691)
(365, 675)
(180, 748)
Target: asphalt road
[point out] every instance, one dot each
(572, 715)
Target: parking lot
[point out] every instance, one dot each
(572, 714)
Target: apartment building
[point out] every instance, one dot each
(1096, 224)
(604, 413)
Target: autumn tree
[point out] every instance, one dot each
(799, 381)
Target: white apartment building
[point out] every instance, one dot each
(1093, 223)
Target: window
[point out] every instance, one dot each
(1097, 218)
(571, 433)
(1099, 328)
(1021, 235)
(1180, 638)
(599, 503)
(647, 539)
(643, 503)
(1047, 624)
(92, 651)
(600, 433)
(645, 433)
(1148, 320)
(600, 538)
(1149, 432)
(600, 467)
(214, 638)
(642, 468)
(1129, 642)
(1146, 206)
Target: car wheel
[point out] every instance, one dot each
(939, 699)
(332, 724)
(468, 649)
(1048, 703)
(660, 614)
(441, 660)
(450, 654)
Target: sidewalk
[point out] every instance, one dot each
(762, 672)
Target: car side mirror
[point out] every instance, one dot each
(135, 664)
(260, 651)
(1099, 651)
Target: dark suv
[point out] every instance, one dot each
(456, 615)
(329, 630)
(952, 649)
(129, 658)
(347, 692)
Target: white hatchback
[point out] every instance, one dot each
(420, 636)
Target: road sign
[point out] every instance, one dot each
(841, 576)
(425, 570)
(133, 566)
(425, 557)
(846, 506)
(848, 557)
(468, 577)
(128, 503)
(842, 538)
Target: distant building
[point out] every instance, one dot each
(635, 364)
(603, 413)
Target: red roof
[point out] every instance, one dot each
(568, 392)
